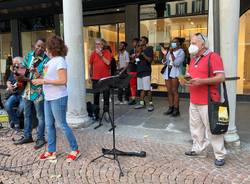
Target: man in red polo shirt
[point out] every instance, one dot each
(199, 121)
(99, 68)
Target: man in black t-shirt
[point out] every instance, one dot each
(144, 57)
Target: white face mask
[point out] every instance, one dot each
(193, 49)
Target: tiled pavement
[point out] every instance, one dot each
(165, 162)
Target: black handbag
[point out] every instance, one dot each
(163, 69)
(218, 112)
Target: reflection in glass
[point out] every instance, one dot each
(162, 31)
(110, 34)
(5, 51)
(29, 39)
(90, 33)
(173, 9)
(243, 85)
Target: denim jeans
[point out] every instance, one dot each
(14, 115)
(39, 107)
(55, 111)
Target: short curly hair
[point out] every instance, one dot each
(56, 46)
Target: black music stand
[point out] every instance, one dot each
(110, 83)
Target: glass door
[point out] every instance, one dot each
(5, 53)
(112, 33)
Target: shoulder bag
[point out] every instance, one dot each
(218, 112)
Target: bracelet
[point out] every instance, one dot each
(43, 81)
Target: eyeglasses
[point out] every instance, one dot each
(201, 35)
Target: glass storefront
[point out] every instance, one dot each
(112, 33)
(243, 85)
(35, 28)
(182, 19)
(29, 38)
(5, 52)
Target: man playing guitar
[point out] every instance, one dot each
(15, 97)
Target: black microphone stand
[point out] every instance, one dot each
(111, 83)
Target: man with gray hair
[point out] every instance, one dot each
(198, 83)
(15, 97)
(99, 67)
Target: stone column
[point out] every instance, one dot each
(229, 31)
(73, 36)
(210, 26)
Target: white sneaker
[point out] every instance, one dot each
(125, 102)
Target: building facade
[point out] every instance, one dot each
(21, 23)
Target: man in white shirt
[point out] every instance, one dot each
(122, 67)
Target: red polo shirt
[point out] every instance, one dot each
(199, 69)
(100, 69)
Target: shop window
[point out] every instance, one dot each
(37, 23)
(173, 9)
(4, 26)
(29, 38)
(243, 85)
(181, 9)
(5, 53)
(90, 33)
(162, 31)
(112, 33)
(198, 6)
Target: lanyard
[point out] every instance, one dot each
(197, 60)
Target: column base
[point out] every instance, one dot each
(232, 138)
(76, 121)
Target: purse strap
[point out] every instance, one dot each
(223, 83)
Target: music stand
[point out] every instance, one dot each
(110, 83)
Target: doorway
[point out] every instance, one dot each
(112, 33)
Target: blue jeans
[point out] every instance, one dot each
(55, 111)
(39, 107)
(14, 115)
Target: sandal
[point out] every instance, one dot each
(48, 156)
(73, 155)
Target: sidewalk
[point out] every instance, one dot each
(165, 140)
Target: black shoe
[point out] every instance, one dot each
(132, 102)
(219, 163)
(12, 125)
(194, 154)
(176, 112)
(39, 143)
(169, 111)
(95, 118)
(23, 140)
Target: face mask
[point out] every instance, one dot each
(174, 45)
(193, 49)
